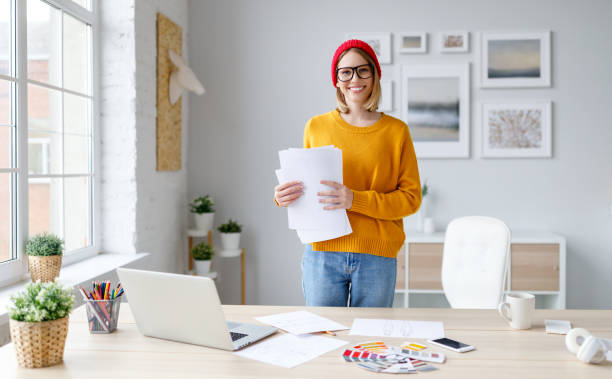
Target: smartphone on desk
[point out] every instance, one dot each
(453, 345)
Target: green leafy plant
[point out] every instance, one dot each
(425, 189)
(230, 227)
(41, 302)
(202, 204)
(44, 245)
(202, 252)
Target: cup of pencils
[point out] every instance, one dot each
(102, 304)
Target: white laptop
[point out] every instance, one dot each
(184, 308)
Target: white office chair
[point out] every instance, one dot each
(475, 261)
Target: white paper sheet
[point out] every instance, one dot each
(306, 215)
(289, 350)
(301, 322)
(397, 328)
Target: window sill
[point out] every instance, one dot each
(73, 275)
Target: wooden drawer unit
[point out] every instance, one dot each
(425, 266)
(534, 267)
(400, 281)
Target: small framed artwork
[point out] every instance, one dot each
(516, 130)
(386, 101)
(436, 106)
(455, 42)
(380, 43)
(515, 59)
(412, 42)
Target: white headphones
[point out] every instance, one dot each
(587, 348)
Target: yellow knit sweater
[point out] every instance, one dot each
(379, 166)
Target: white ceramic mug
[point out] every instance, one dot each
(518, 309)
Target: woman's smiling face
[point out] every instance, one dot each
(356, 90)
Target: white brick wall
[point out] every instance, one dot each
(142, 209)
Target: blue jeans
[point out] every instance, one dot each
(332, 279)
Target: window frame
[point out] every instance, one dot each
(17, 269)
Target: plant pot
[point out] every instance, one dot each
(230, 241)
(45, 268)
(204, 221)
(39, 344)
(202, 266)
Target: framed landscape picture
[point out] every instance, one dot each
(380, 43)
(436, 106)
(454, 42)
(412, 42)
(515, 59)
(516, 129)
(386, 103)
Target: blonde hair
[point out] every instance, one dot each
(372, 103)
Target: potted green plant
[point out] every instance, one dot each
(230, 235)
(422, 212)
(202, 255)
(39, 323)
(44, 256)
(203, 210)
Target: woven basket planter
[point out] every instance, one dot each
(39, 344)
(45, 268)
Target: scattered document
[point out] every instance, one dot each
(558, 326)
(306, 215)
(289, 350)
(301, 322)
(397, 328)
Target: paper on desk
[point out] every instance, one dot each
(289, 350)
(397, 328)
(306, 215)
(301, 322)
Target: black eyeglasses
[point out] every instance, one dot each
(345, 74)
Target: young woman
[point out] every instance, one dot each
(381, 186)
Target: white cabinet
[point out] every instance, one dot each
(537, 266)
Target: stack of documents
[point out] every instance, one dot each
(306, 215)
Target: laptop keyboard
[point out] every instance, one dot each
(236, 336)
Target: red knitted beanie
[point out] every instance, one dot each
(349, 45)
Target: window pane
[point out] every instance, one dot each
(5, 101)
(5, 217)
(84, 3)
(44, 153)
(77, 213)
(5, 147)
(44, 108)
(45, 205)
(76, 114)
(44, 43)
(5, 37)
(76, 158)
(76, 55)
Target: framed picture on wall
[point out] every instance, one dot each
(515, 59)
(412, 42)
(386, 101)
(380, 43)
(516, 129)
(436, 106)
(454, 42)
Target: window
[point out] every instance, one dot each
(47, 125)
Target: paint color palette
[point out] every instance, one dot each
(425, 356)
(351, 355)
(373, 346)
(421, 366)
(412, 346)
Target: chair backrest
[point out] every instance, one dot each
(474, 262)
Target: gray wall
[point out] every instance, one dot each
(265, 66)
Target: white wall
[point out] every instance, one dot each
(265, 65)
(143, 210)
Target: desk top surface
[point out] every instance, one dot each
(500, 351)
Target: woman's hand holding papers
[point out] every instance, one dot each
(341, 197)
(287, 193)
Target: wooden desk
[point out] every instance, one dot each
(501, 352)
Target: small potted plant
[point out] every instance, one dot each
(44, 256)
(202, 254)
(203, 211)
(422, 212)
(39, 323)
(230, 235)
